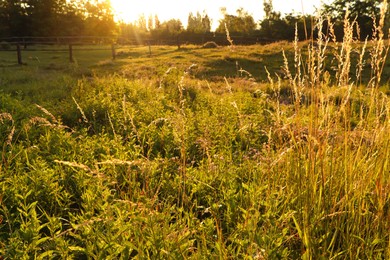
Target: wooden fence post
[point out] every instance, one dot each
(71, 53)
(113, 51)
(150, 49)
(19, 53)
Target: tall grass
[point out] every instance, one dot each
(336, 162)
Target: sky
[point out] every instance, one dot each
(130, 10)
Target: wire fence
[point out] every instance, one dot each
(61, 44)
(68, 43)
(140, 40)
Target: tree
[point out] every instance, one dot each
(39, 17)
(268, 8)
(172, 27)
(156, 31)
(142, 23)
(206, 21)
(3, 19)
(363, 11)
(242, 23)
(275, 27)
(150, 23)
(14, 19)
(272, 26)
(56, 17)
(199, 23)
(194, 23)
(99, 18)
(157, 23)
(72, 20)
(53, 17)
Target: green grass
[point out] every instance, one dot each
(193, 154)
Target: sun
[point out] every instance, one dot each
(130, 10)
(126, 11)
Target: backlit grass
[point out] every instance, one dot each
(255, 152)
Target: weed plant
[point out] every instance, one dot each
(176, 167)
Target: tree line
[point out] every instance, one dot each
(46, 18)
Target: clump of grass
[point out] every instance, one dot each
(106, 63)
(7, 117)
(327, 152)
(210, 45)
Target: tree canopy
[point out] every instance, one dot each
(199, 23)
(243, 22)
(40, 18)
(56, 18)
(364, 12)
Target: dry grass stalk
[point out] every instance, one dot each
(7, 116)
(74, 164)
(10, 136)
(120, 162)
(331, 32)
(81, 111)
(380, 51)
(322, 45)
(44, 122)
(297, 56)
(242, 72)
(167, 72)
(81, 167)
(229, 87)
(277, 95)
(112, 126)
(344, 58)
(45, 111)
(360, 65)
(230, 40)
(39, 120)
(157, 121)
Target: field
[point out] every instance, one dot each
(279, 151)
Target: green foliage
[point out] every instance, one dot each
(55, 18)
(161, 158)
(241, 23)
(365, 12)
(199, 23)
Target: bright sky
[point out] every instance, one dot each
(130, 10)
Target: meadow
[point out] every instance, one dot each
(278, 151)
